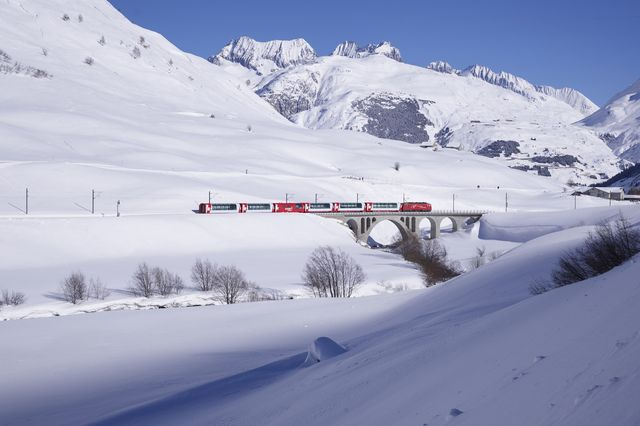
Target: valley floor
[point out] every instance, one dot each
(476, 350)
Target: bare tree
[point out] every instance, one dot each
(435, 264)
(229, 284)
(135, 52)
(479, 259)
(202, 274)
(165, 282)
(143, 284)
(102, 41)
(13, 298)
(74, 288)
(89, 60)
(97, 289)
(331, 272)
(430, 257)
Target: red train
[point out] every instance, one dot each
(305, 207)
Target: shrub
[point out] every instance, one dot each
(88, 60)
(142, 281)
(259, 294)
(331, 272)
(609, 245)
(430, 257)
(12, 298)
(229, 284)
(102, 41)
(539, 286)
(65, 17)
(435, 265)
(165, 282)
(80, 18)
(74, 288)
(135, 52)
(97, 289)
(202, 275)
(396, 166)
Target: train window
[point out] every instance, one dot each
(320, 205)
(223, 207)
(259, 206)
(351, 205)
(385, 205)
(298, 206)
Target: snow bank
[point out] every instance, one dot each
(522, 226)
(323, 348)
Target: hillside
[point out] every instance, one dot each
(618, 123)
(498, 115)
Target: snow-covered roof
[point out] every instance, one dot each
(611, 189)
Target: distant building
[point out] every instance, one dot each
(608, 192)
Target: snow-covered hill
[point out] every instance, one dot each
(618, 123)
(477, 350)
(392, 100)
(494, 114)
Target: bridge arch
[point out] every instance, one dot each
(400, 225)
(434, 225)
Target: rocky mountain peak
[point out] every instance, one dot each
(351, 49)
(265, 57)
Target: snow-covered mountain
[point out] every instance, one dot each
(618, 123)
(351, 49)
(571, 97)
(496, 115)
(266, 57)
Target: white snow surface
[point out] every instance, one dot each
(480, 346)
(136, 125)
(618, 122)
(324, 95)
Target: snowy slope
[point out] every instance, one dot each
(392, 100)
(479, 348)
(618, 123)
(506, 80)
(139, 131)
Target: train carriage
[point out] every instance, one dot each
(324, 207)
(415, 207)
(256, 207)
(371, 206)
(350, 207)
(291, 207)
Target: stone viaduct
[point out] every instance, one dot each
(362, 223)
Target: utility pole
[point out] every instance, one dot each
(118, 209)
(453, 202)
(506, 202)
(209, 197)
(93, 201)
(609, 198)
(286, 197)
(358, 197)
(575, 201)
(26, 201)
(403, 198)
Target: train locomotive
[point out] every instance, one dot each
(306, 207)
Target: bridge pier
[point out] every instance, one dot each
(361, 224)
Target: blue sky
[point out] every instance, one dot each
(593, 46)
